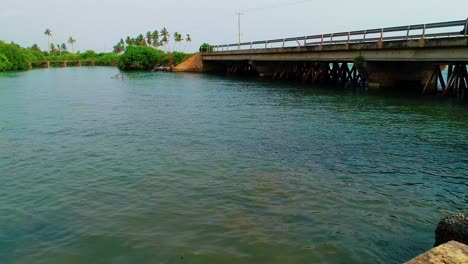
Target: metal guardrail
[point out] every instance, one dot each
(361, 36)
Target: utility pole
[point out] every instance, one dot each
(239, 14)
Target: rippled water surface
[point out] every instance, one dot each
(182, 168)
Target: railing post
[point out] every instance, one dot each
(424, 32)
(266, 44)
(251, 44)
(365, 34)
(407, 32)
(331, 39)
(466, 28)
(284, 41)
(349, 35)
(321, 41)
(305, 41)
(380, 43)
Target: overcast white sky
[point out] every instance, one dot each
(99, 24)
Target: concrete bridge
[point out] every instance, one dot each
(61, 63)
(411, 56)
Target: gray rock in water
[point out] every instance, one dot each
(452, 228)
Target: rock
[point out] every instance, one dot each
(449, 253)
(452, 228)
(162, 68)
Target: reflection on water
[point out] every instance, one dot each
(172, 168)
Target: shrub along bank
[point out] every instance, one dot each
(139, 58)
(15, 58)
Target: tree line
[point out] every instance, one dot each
(156, 39)
(58, 49)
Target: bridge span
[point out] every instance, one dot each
(60, 63)
(411, 56)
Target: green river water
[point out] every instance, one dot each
(186, 168)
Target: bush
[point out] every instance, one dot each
(5, 65)
(34, 55)
(141, 58)
(15, 56)
(205, 47)
(107, 59)
(359, 61)
(89, 54)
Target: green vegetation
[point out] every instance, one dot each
(15, 58)
(156, 39)
(179, 57)
(359, 61)
(205, 47)
(141, 58)
(140, 53)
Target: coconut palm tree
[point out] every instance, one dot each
(52, 49)
(63, 47)
(72, 42)
(177, 38)
(188, 39)
(119, 48)
(155, 39)
(140, 40)
(48, 33)
(149, 38)
(59, 48)
(165, 37)
(129, 41)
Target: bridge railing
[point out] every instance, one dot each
(409, 32)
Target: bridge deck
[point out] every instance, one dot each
(433, 50)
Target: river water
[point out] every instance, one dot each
(186, 168)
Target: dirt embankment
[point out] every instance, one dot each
(192, 64)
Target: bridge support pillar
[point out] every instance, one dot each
(407, 76)
(63, 64)
(46, 64)
(264, 69)
(78, 63)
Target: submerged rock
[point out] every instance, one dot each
(163, 68)
(452, 228)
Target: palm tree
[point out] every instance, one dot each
(59, 49)
(129, 41)
(155, 39)
(140, 40)
(119, 48)
(177, 39)
(188, 39)
(72, 42)
(64, 47)
(165, 37)
(48, 32)
(52, 49)
(149, 38)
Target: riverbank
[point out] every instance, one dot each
(15, 58)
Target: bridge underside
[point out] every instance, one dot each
(412, 65)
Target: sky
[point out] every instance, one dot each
(99, 24)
